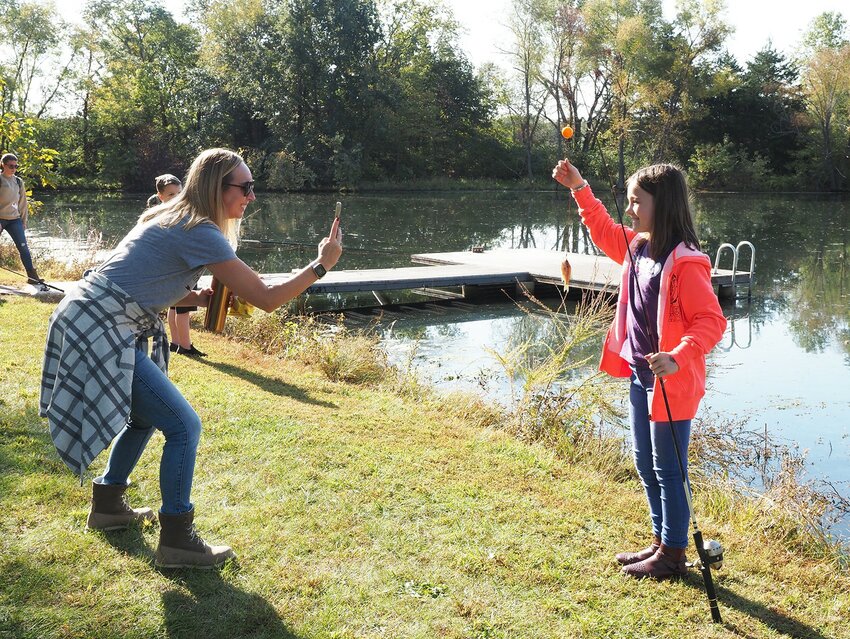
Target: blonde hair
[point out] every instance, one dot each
(201, 198)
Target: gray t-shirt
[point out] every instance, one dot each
(158, 266)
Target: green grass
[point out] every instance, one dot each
(361, 511)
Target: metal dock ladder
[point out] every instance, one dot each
(735, 250)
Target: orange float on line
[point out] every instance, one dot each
(567, 132)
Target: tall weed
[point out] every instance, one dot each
(53, 262)
(551, 400)
(342, 354)
(751, 476)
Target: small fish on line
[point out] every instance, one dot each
(566, 274)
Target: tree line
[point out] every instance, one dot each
(336, 94)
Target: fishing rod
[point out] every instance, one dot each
(33, 279)
(713, 555)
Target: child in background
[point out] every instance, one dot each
(667, 320)
(167, 187)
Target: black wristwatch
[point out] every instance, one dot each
(319, 270)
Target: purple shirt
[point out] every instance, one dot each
(641, 340)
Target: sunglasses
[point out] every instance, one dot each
(247, 187)
(11, 166)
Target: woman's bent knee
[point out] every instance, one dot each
(193, 428)
(184, 427)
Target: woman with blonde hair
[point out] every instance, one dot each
(99, 384)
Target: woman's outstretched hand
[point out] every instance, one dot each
(330, 248)
(568, 175)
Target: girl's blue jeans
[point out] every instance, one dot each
(658, 468)
(15, 229)
(157, 404)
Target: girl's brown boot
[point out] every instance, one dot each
(626, 558)
(665, 563)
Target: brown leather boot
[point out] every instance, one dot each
(626, 558)
(665, 563)
(180, 546)
(110, 510)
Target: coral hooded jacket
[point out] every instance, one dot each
(690, 322)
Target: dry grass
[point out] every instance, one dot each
(51, 265)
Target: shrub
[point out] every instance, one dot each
(727, 166)
(551, 402)
(341, 354)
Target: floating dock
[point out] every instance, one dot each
(493, 268)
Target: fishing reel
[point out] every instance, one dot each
(713, 552)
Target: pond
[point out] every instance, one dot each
(783, 365)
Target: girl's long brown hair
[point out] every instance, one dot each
(673, 222)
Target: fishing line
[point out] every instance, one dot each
(33, 279)
(705, 560)
(294, 244)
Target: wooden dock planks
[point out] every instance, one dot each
(594, 272)
(496, 267)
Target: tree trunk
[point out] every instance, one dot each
(621, 172)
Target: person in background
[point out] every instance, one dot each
(667, 320)
(13, 215)
(100, 385)
(168, 187)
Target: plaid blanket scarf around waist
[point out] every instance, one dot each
(87, 376)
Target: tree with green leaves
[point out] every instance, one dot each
(143, 103)
(528, 98)
(621, 43)
(306, 69)
(33, 33)
(19, 135)
(826, 85)
(753, 115)
(681, 73)
(437, 112)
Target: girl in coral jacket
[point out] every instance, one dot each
(667, 319)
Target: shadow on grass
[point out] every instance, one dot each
(771, 618)
(25, 444)
(203, 603)
(274, 386)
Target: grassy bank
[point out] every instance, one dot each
(366, 510)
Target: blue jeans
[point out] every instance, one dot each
(15, 228)
(156, 403)
(658, 468)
